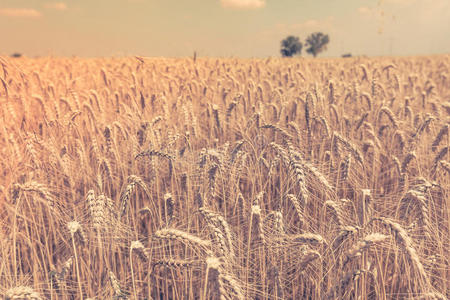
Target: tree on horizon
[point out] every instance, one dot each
(317, 43)
(291, 46)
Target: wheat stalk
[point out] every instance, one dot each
(77, 233)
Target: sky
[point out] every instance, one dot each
(221, 28)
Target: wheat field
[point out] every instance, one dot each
(158, 178)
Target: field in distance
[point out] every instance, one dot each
(158, 178)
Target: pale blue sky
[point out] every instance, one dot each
(242, 28)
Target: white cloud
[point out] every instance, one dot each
(364, 10)
(56, 5)
(20, 13)
(401, 2)
(243, 4)
(306, 27)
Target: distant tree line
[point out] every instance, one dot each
(315, 43)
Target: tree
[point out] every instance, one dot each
(316, 43)
(291, 46)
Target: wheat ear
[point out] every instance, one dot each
(22, 293)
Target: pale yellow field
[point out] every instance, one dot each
(140, 178)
